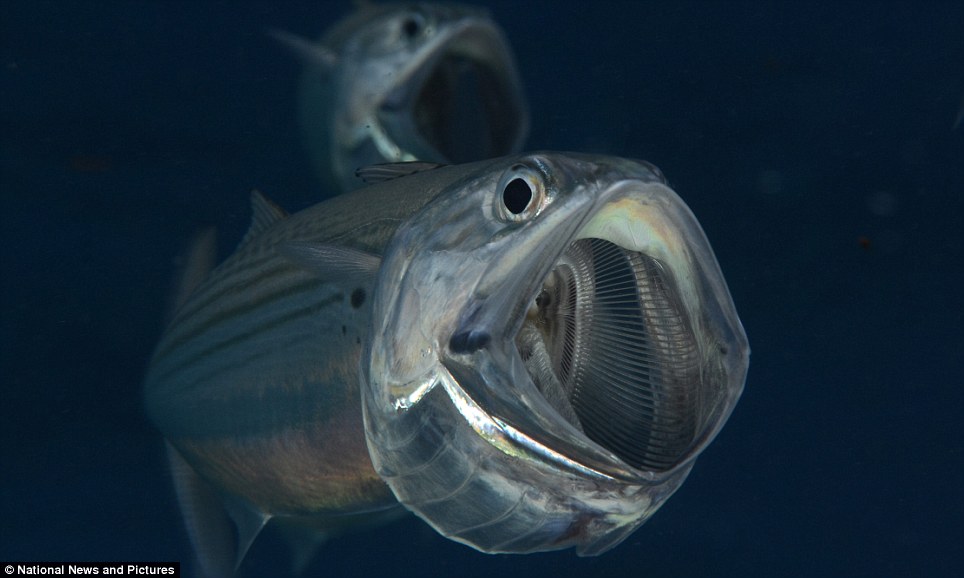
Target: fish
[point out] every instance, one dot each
(526, 352)
(406, 82)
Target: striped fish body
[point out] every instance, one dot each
(529, 353)
(255, 381)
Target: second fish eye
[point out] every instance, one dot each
(412, 25)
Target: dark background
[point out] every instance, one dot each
(812, 140)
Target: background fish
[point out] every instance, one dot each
(401, 82)
(559, 317)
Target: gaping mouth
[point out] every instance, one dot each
(610, 346)
(571, 364)
(465, 111)
(465, 105)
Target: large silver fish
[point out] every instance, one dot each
(540, 346)
(400, 82)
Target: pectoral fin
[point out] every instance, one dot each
(219, 547)
(334, 262)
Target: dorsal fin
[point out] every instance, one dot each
(309, 52)
(264, 213)
(388, 171)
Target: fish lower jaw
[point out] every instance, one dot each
(408, 395)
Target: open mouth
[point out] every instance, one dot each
(588, 352)
(465, 105)
(466, 112)
(610, 346)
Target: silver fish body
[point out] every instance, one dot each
(403, 82)
(527, 352)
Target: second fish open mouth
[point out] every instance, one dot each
(465, 104)
(465, 111)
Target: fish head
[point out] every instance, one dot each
(431, 82)
(553, 344)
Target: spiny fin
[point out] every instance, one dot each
(207, 522)
(309, 52)
(388, 171)
(264, 213)
(333, 262)
(195, 265)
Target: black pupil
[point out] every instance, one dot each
(410, 27)
(516, 196)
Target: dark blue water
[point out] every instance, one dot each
(813, 142)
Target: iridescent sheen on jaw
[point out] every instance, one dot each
(633, 226)
(643, 227)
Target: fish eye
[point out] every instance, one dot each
(516, 195)
(412, 25)
(521, 194)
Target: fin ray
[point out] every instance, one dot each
(264, 213)
(334, 262)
